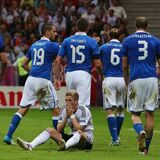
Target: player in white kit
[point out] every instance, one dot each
(78, 118)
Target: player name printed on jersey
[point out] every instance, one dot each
(78, 40)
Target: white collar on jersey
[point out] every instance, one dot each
(45, 38)
(81, 33)
(114, 40)
(142, 31)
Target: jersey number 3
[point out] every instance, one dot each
(38, 56)
(78, 51)
(143, 49)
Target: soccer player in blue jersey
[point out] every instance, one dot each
(3, 58)
(38, 85)
(80, 51)
(114, 89)
(140, 52)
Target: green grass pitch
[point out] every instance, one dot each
(36, 121)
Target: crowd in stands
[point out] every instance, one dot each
(21, 22)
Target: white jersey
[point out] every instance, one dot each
(84, 117)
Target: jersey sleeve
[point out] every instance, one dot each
(83, 117)
(62, 49)
(53, 48)
(124, 48)
(62, 115)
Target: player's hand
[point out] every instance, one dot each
(69, 110)
(57, 84)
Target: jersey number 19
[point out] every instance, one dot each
(38, 56)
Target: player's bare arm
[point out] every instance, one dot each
(25, 64)
(57, 64)
(125, 69)
(61, 125)
(97, 63)
(70, 113)
(3, 58)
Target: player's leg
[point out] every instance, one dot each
(55, 116)
(28, 99)
(150, 105)
(149, 127)
(112, 125)
(74, 140)
(40, 139)
(136, 100)
(83, 87)
(119, 119)
(109, 104)
(121, 99)
(48, 99)
(14, 124)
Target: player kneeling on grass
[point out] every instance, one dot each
(79, 120)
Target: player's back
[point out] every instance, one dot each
(111, 56)
(141, 49)
(42, 54)
(79, 50)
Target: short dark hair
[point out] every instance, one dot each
(82, 25)
(141, 23)
(114, 33)
(46, 27)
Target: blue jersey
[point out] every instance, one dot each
(79, 50)
(1, 44)
(42, 54)
(141, 48)
(111, 56)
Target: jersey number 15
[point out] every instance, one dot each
(78, 51)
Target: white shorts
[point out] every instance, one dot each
(114, 92)
(81, 82)
(39, 89)
(143, 95)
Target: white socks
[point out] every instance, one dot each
(73, 140)
(41, 138)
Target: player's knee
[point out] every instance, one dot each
(110, 111)
(80, 132)
(50, 130)
(55, 111)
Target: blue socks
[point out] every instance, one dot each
(14, 124)
(112, 127)
(119, 121)
(138, 127)
(55, 121)
(148, 141)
